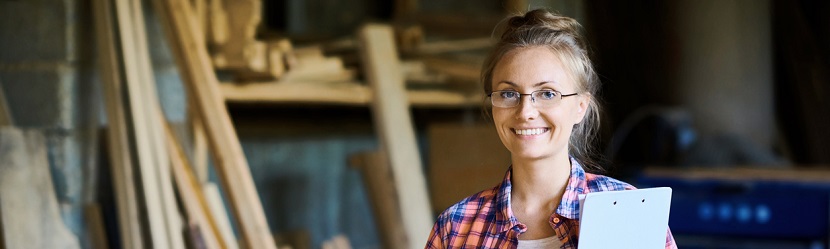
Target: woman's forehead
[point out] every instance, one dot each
(531, 67)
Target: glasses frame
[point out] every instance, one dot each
(532, 98)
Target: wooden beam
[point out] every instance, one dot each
(374, 166)
(155, 116)
(117, 133)
(236, 52)
(200, 150)
(191, 195)
(219, 213)
(164, 220)
(394, 127)
(2, 241)
(29, 205)
(5, 116)
(198, 76)
(339, 93)
(218, 26)
(337, 242)
(95, 226)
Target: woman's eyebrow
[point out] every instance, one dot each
(543, 83)
(534, 85)
(508, 82)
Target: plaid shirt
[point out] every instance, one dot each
(485, 220)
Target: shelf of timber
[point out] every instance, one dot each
(339, 93)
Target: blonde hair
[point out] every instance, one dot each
(560, 34)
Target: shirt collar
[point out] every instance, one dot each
(568, 208)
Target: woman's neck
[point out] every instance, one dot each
(540, 183)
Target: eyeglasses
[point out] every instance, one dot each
(540, 98)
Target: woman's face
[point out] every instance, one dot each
(528, 131)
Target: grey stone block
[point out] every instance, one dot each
(37, 30)
(40, 98)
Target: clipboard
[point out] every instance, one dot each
(625, 219)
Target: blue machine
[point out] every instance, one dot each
(733, 213)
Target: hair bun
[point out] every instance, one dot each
(541, 18)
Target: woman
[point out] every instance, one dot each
(541, 84)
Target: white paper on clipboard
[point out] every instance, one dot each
(624, 219)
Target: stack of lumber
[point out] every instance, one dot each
(148, 161)
(229, 28)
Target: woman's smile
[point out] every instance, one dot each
(530, 132)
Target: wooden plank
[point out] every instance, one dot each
(240, 51)
(155, 117)
(117, 133)
(219, 213)
(337, 242)
(219, 31)
(319, 69)
(322, 92)
(95, 226)
(200, 150)
(339, 93)
(276, 59)
(345, 93)
(190, 193)
(194, 65)
(2, 241)
(382, 193)
(394, 127)
(29, 206)
(164, 220)
(5, 116)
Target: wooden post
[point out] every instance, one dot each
(200, 150)
(377, 177)
(164, 220)
(156, 122)
(95, 225)
(194, 64)
(2, 241)
(219, 213)
(394, 127)
(190, 193)
(5, 115)
(117, 133)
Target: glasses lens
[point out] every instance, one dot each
(546, 98)
(545, 95)
(505, 98)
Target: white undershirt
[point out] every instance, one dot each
(544, 243)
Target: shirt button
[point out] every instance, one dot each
(556, 220)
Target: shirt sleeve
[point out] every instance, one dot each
(436, 237)
(670, 241)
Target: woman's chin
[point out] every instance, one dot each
(530, 155)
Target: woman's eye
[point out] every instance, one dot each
(509, 95)
(547, 94)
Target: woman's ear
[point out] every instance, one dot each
(584, 102)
